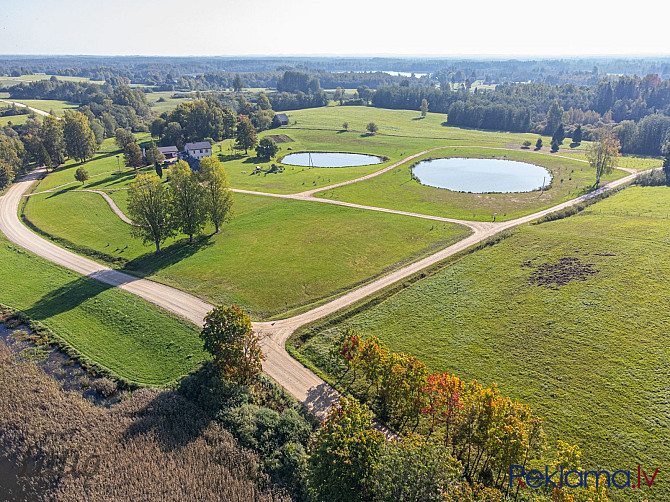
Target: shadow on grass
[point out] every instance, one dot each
(150, 263)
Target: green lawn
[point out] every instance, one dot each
(48, 105)
(396, 190)
(14, 119)
(591, 356)
(117, 330)
(275, 256)
(9, 81)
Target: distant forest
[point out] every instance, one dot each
(632, 95)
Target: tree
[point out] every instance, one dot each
(123, 137)
(238, 83)
(246, 134)
(6, 174)
(263, 103)
(344, 453)
(266, 149)
(538, 144)
(187, 200)
(51, 133)
(154, 155)
(666, 161)
(81, 175)
(159, 169)
(339, 95)
(345, 126)
(217, 194)
(157, 127)
(577, 135)
(79, 138)
(372, 128)
(554, 145)
(424, 107)
(235, 348)
(559, 134)
(148, 207)
(132, 156)
(602, 154)
(554, 118)
(526, 144)
(413, 469)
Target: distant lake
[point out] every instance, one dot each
(330, 159)
(481, 175)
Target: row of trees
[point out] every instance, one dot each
(189, 201)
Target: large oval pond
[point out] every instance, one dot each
(330, 159)
(481, 175)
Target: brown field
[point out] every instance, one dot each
(153, 446)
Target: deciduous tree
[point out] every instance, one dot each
(219, 198)
(235, 348)
(245, 136)
(79, 138)
(123, 137)
(424, 107)
(372, 128)
(266, 149)
(602, 154)
(81, 175)
(132, 156)
(51, 133)
(187, 200)
(148, 207)
(344, 453)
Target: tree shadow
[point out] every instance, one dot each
(171, 419)
(67, 189)
(418, 118)
(574, 145)
(120, 178)
(70, 296)
(320, 400)
(150, 263)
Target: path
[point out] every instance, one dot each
(21, 105)
(302, 383)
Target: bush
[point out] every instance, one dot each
(652, 179)
(104, 387)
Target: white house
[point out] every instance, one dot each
(199, 150)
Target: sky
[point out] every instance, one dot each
(448, 28)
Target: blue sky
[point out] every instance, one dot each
(304, 27)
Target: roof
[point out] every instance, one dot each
(282, 117)
(200, 145)
(168, 149)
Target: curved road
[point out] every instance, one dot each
(302, 383)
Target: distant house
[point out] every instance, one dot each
(198, 150)
(281, 119)
(170, 153)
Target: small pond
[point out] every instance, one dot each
(330, 159)
(481, 175)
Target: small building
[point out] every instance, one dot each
(171, 153)
(198, 150)
(281, 119)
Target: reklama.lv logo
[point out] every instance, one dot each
(577, 478)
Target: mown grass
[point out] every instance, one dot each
(14, 119)
(397, 189)
(111, 328)
(57, 106)
(591, 356)
(275, 255)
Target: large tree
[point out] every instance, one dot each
(187, 200)
(424, 107)
(81, 175)
(602, 154)
(80, 141)
(154, 155)
(554, 118)
(217, 194)
(245, 136)
(132, 155)
(266, 149)
(234, 346)
(148, 207)
(238, 83)
(344, 453)
(123, 137)
(51, 133)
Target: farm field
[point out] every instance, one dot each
(397, 190)
(57, 106)
(114, 329)
(567, 316)
(9, 81)
(320, 249)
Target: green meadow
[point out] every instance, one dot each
(568, 316)
(275, 256)
(109, 327)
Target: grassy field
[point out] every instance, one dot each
(114, 329)
(49, 105)
(397, 190)
(569, 316)
(9, 81)
(276, 255)
(14, 119)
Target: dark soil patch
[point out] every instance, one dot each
(552, 275)
(280, 138)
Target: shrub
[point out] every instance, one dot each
(104, 387)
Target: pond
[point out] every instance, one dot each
(481, 175)
(330, 159)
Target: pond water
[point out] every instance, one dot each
(481, 175)
(330, 159)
